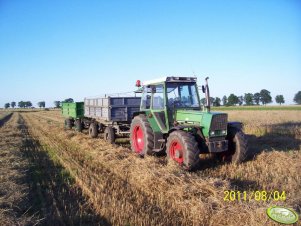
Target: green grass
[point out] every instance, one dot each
(258, 108)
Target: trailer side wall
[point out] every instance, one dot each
(115, 109)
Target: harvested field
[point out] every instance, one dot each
(269, 122)
(125, 189)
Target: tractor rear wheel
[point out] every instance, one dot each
(109, 134)
(141, 136)
(78, 125)
(182, 148)
(93, 130)
(237, 146)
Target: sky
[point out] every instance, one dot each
(53, 50)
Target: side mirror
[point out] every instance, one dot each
(203, 89)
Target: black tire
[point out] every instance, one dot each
(144, 144)
(109, 134)
(93, 130)
(78, 125)
(237, 146)
(68, 123)
(182, 148)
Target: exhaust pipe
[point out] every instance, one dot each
(207, 94)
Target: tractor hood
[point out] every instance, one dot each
(212, 123)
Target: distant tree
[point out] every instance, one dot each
(279, 99)
(232, 99)
(28, 104)
(211, 101)
(68, 100)
(248, 98)
(41, 104)
(13, 104)
(256, 98)
(7, 105)
(225, 100)
(217, 102)
(240, 100)
(203, 101)
(265, 97)
(21, 104)
(297, 98)
(57, 104)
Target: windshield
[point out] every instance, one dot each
(182, 95)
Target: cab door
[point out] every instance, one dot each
(158, 107)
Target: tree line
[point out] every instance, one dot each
(264, 97)
(41, 104)
(249, 99)
(21, 104)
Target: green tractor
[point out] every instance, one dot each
(171, 119)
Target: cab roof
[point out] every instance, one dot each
(169, 79)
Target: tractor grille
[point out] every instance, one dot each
(213, 139)
(219, 122)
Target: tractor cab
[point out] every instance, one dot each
(162, 98)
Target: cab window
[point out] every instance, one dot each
(158, 98)
(146, 97)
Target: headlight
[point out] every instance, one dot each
(224, 132)
(212, 133)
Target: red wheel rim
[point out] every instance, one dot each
(176, 151)
(137, 139)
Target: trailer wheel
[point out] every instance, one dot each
(237, 146)
(93, 130)
(78, 125)
(68, 123)
(182, 148)
(141, 136)
(109, 134)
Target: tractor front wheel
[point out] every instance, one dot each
(237, 146)
(182, 148)
(141, 136)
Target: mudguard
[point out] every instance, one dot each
(237, 125)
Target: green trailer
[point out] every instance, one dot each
(73, 112)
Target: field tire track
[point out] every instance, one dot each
(53, 198)
(5, 119)
(14, 204)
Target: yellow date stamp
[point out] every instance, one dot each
(259, 196)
